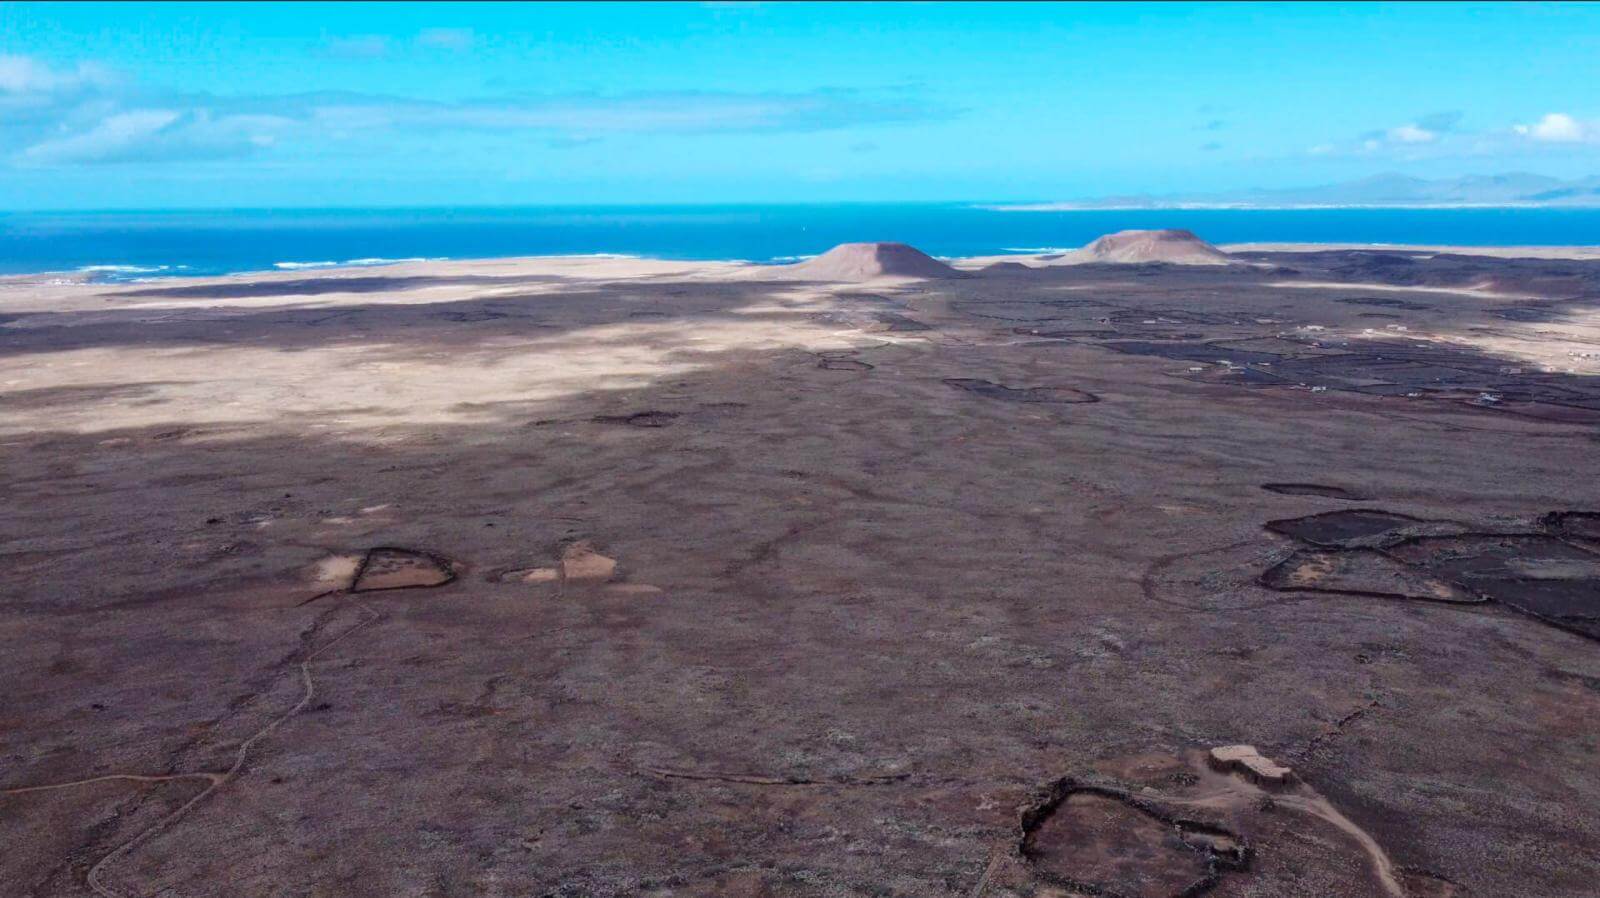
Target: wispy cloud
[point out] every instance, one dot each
(674, 112)
(1412, 133)
(457, 39)
(1422, 130)
(360, 46)
(156, 135)
(83, 116)
(570, 143)
(1441, 122)
(22, 75)
(376, 46)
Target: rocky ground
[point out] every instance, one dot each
(614, 577)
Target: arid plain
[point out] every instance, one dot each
(1274, 575)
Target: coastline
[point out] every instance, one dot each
(298, 271)
(1574, 252)
(112, 248)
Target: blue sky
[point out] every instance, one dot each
(188, 105)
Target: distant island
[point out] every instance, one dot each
(1379, 191)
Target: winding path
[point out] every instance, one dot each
(214, 781)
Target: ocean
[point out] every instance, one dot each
(139, 245)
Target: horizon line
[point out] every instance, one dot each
(987, 205)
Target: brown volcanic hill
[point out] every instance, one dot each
(1173, 246)
(1006, 267)
(865, 261)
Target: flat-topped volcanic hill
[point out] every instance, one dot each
(866, 261)
(1173, 246)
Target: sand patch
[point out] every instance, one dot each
(579, 564)
(1479, 291)
(336, 569)
(394, 568)
(1247, 761)
(582, 564)
(528, 575)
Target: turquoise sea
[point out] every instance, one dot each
(126, 245)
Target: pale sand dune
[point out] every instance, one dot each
(1483, 290)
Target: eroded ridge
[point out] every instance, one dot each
(843, 365)
(1314, 489)
(648, 418)
(1004, 393)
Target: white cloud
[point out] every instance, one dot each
(1439, 135)
(25, 75)
(1557, 127)
(1412, 134)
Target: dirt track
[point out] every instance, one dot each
(764, 587)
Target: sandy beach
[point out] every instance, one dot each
(1492, 252)
(613, 576)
